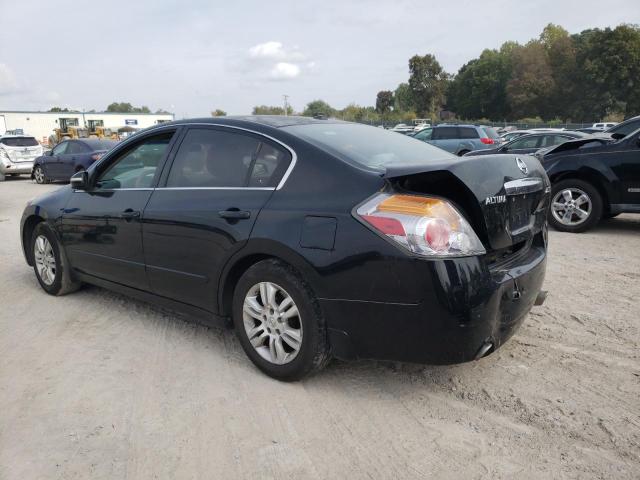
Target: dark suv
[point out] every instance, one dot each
(460, 139)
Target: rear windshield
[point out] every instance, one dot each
(19, 142)
(368, 146)
(491, 133)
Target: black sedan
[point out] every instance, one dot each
(69, 157)
(317, 238)
(593, 178)
(530, 143)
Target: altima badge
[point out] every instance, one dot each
(522, 166)
(495, 199)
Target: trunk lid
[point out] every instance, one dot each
(505, 196)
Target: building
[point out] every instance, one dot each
(42, 124)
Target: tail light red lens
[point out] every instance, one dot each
(386, 225)
(487, 141)
(426, 226)
(437, 234)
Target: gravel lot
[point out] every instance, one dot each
(95, 385)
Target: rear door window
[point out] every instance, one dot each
(77, 148)
(213, 158)
(445, 133)
(467, 132)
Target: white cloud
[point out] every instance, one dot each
(284, 71)
(267, 50)
(275, 61)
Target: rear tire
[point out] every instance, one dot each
(50, 262)
(269, 326)
(571, 199)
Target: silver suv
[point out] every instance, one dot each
(460, 139)
(17, 153)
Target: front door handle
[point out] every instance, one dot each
(129, 214)
(234, 214)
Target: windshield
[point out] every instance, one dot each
(19, 142)
(368, 146)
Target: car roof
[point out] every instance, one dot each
(17, 136)
(275, 121)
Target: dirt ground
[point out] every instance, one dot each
(96, 385)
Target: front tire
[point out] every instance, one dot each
(50, 263)
(39, 175)
(576, 206)
(278, 322)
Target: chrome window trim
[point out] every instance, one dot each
(294, 157)
(217, 188)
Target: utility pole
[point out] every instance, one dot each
(286, 104)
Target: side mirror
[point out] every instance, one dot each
(618, 136)
(80, 180)
(48, 153)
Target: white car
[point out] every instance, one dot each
(421, 126)
(604, 125)
(17, 153)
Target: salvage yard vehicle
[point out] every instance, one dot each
(593, 178)
(528, 144)
(17, 153)
(318, 238)
(69, 157)
(459, 139)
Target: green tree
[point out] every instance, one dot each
(271, 110)
(218, 113)
(561, 56)
(58, 109)
(126, 107)
(318, 108)
(384, 101)
(531, 83)
(427, 81)
(403, 99)
(479, 90)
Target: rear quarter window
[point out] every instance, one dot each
(467, 132)
(490, 132)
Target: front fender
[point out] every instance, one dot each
(589, 169)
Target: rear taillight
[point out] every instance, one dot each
(487, 141)
(423, 225)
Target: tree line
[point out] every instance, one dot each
(588, 76)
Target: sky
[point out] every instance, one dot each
(192, 57)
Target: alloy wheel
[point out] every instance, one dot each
(571, 206)
(38, 175)
(45, 259)
(272, 323)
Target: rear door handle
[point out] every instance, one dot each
(234, 214)
(129, 214)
